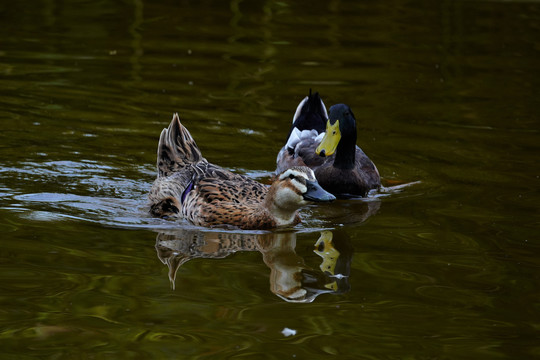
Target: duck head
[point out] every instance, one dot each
(340, 136)
(294, 188)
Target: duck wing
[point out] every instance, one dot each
(230, 188)
(229, 199)
(367, 170)
(347, 183)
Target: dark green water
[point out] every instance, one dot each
(445, 92)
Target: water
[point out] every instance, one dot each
(446, 97)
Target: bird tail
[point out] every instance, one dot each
(311, 113)
(176, 149)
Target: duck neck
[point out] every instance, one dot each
(281, 214)
(346, 151)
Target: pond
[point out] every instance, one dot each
(442, 263)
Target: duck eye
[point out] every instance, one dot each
(334, 132)
(291, 176)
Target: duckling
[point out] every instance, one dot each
(326, 142)
(189, 187)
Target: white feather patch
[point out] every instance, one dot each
(324, 108)
(297, 136)
(287, 173)
(299, 108)
(320, 137)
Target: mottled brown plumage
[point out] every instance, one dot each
(345, 171)
(189, 187)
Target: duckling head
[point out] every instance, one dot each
(294, 188)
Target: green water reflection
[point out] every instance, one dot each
(290, 278)
(445, 93)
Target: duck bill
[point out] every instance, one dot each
(316, 193)
(330, 140)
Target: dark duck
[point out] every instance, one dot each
(326, 142)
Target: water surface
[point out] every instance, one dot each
(446, 97)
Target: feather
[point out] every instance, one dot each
(189, 187)
(176, 149)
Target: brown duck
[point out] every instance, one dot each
(189, 187)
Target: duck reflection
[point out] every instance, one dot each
(291, 278)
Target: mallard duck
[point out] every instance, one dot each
(326, 142)
(189, 187)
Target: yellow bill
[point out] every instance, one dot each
(330, 140)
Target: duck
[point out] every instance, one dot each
(191, 188)
(325, 141)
